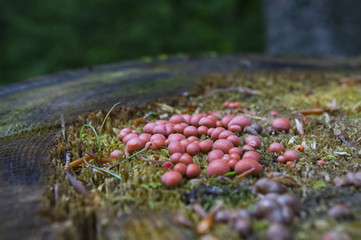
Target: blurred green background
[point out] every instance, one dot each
(38, 37)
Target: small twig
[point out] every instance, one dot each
(67, 154)
(319, 111)
(77, 162)
(81, 160)
(246, 173)
(102, 159)
(150, 160)
(314, 111)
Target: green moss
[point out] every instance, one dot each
(141, 191)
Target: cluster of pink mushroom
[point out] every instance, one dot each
(232, 104)
(182, 135)
(288, 157)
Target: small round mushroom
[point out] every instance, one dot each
(179, 128)
(193, 149)
(236, 141)
(175, 157)
(250, 130)
(208, 121)
(202, 130)
(216, 132)
(241, 121)
(181, 168)
(225, 120)
(235, 128)
(266, 185)
(281, 124)
(193, 171)
(281, 159)
(276, 148)
(174, 147)
(135, 144)
(215, 155)
(145, 137)
(190, 131)
(129, 136)
(265, 208)
(205, 146)
(247, 148)
(223, 145)
(171, 179)
(149, 127)
(158, 136)
(195, 119)
(186, 159)
(253, 141)
(176, 119)
(291, 155)
(289, 163)
(243, 227)
(236, 150)
(156, 144)
(160, 129)
(124, 132)
(225, 134)
(257, 127)
(116, 154)
(341, 212)
(300, 148)
(217, 168)
(175, 137)
(291, 201)
(185, 143)
(187, 118)
(246, 164)
(253, 155)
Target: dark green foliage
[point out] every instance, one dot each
(40, 37)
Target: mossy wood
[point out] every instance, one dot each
(30, 125)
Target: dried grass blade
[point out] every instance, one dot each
(245, 173)
(299, 127)
(79, 188)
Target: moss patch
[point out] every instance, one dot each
(123, 207)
